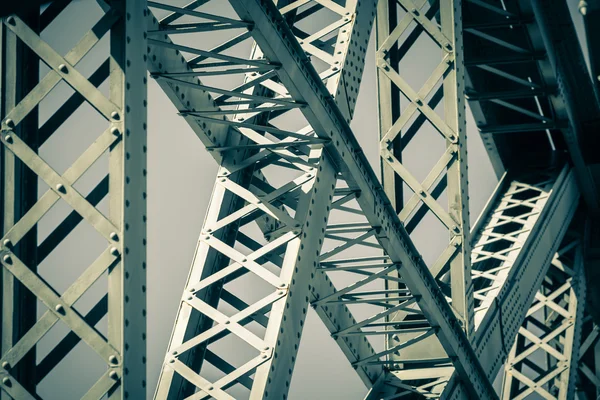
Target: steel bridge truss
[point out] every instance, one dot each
(297, 217)
(120, 343)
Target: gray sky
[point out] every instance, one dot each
(180, 179)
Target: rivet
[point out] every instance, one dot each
(7, 259)
(59, 309)
(415, 11)
(60, 187)
(175, 353)
(422, 193)
(264, 356)
(115, 131)
(114, 251)
(10, 123)
(5, 365)
(449, 46)
(7, 243)
(210, 388)
(10, 20)
(6, 381)
(419, 101)
(244, 259)
(386, 67)
(115, 115)
(227, 322)
(114, 236)
(113, 375)
(282, 285)
(8, 139)
(172, 360)
(267, 348)
(63, 68)
(112, 359)
(190, 297)
(281, 292)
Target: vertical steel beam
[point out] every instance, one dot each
(19, 73)
(122, 349)
(395, 41)
(127, 197)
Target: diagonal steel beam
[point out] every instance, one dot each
(278, 43)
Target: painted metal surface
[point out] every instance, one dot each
(122, 347)
(297, 216)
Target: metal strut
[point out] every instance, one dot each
(122, 262)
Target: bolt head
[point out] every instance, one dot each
(7, 259)
(8, 139)
(10, 20)
(63, 68)
(264, 356)
(115, 115)
(10, 123)
(114, 251)
(7, 243)
(61, 188)
(5, 365)
(6, 381)
(59, 308)
(114, 236)
(113, 375)
(112, 359)
(115, 131)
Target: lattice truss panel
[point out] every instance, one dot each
(276, 187)
(96, 196)
(502, 238)
(246, 292)
(419, 46)
(544, 359)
